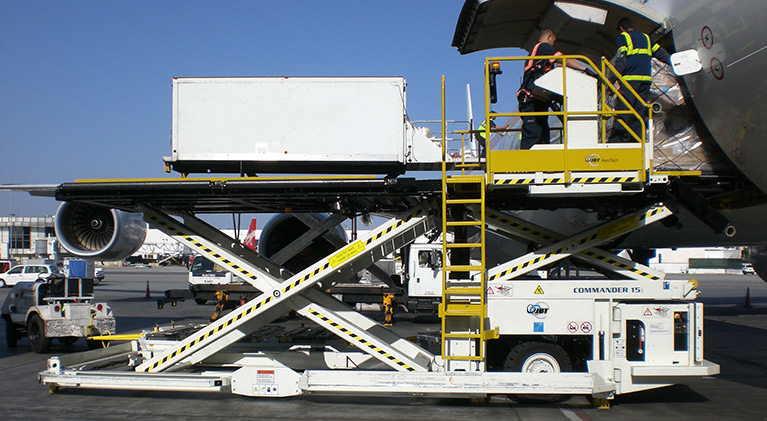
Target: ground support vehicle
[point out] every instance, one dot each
(503, 330)
(57, 307)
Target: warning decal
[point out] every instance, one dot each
(647, 312)
(538, 290)
(346, 254)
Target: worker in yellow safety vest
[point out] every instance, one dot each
(635, 53)
(483, 131)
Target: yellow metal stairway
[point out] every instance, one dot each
(463, 310)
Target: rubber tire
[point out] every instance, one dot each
(2, 283)
(201, 301)
(11, 334)
(545, 357)
(68, 340)
(94, 344)
(38, 343)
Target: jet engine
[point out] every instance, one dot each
(99, 233)
(285, 228)
(759, 261)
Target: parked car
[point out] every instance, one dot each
(25, 273)
(748, 269)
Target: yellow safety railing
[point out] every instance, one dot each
(564, 160)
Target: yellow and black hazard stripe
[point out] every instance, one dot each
(520, 227)
(394, 226)
(595, 180)
(539, 259)
(358, 340)
(651, 213)
(520, 181)
(527, 264)
(240, 314)
(275, 295)
(621, 265)
(213, 331)
(202, 247)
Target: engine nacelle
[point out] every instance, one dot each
(96, 232)
(285, 228)
(759, 261)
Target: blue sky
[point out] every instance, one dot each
(85, 86)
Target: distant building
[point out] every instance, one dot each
(27, 237)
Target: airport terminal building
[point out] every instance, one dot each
(27, 237)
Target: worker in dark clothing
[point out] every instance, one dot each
(535, 129)
(635, 53)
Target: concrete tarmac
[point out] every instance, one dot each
(735, 338)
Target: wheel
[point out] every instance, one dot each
(2, 283)
(200, 301)
(94, 344)
(68, 340)
(537, 357)
(11, 334)
(38, 343)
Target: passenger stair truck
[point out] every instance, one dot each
(503, 331)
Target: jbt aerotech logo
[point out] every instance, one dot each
(539, 310)
(594, 159)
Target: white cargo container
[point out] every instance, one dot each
(281, 124)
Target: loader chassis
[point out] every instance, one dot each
(587, 331)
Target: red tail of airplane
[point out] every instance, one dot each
(250, 238)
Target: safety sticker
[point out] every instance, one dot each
(538, 327)
(490, 291)
(265, 376)
(647, 312)
(346, 254)
(538, 290)
(586, 327)
(572, 327)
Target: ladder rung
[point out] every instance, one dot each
(463, 223)
(463, 268)
(464, 310)
(463, 201)
(469, 165)
(464, 290)
(462, 179)
(462, 335)
(463, 357)
(463, 245)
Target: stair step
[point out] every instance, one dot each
(463, 268)
(463, 245)
(463, 223)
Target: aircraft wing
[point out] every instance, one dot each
(244, 195)
(41, 190)
(584, 27)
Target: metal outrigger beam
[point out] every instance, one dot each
(296, 292)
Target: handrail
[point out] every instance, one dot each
(601, 73)
(603, 112)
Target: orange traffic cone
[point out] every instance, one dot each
(748, 298)
(147, 290)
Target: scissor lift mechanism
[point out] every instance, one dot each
(210, 353)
